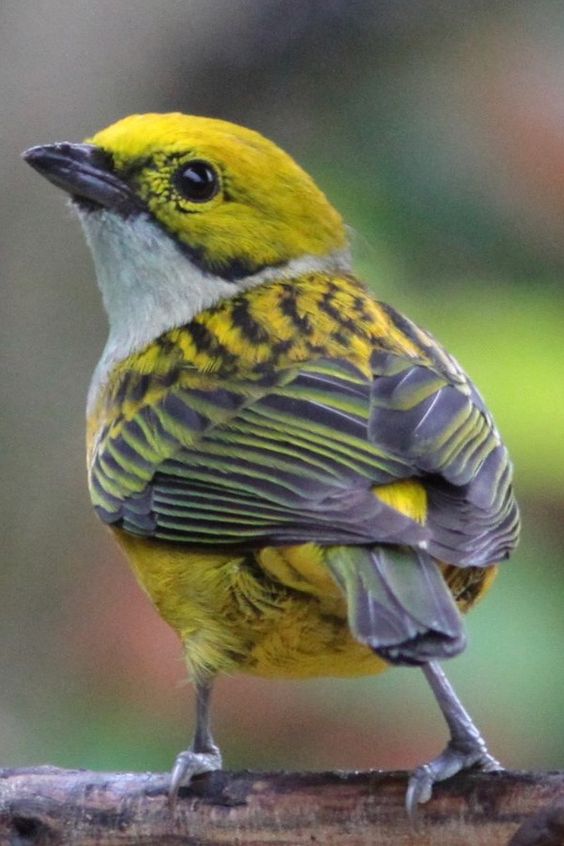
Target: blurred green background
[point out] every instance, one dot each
(438, 130)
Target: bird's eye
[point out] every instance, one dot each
(197, 181)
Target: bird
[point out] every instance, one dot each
(303, 480)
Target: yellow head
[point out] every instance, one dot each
(181, 212)
(232, 197)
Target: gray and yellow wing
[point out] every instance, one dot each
(435, 419)
(296, 457)
(284, 461)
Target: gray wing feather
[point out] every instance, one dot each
(436, 420)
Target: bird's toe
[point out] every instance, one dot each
(189, 764)
(456, 757)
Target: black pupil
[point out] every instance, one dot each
(197, 182)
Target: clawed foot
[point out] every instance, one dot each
(459, 755)
(189, 764)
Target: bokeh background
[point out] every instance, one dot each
(438, 130)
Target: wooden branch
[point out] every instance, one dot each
(46, 806)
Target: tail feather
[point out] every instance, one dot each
(398, 602)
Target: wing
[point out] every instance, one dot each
(428, 412)
(295, 455)
(282, 460)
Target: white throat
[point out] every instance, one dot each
(150, 286)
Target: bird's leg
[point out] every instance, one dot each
(203, 756)
(466, 747)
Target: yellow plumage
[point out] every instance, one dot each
(290, 625)
(304, 482)
(290, 224)
(293, 624)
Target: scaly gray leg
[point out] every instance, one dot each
(466, 747)
(203, 756)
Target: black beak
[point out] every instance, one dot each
(87, 174)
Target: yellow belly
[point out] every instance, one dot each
(274, 612)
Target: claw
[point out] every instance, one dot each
(419, 790)
(189, 764)
(456, 757)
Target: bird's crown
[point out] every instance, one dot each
(226, 193)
